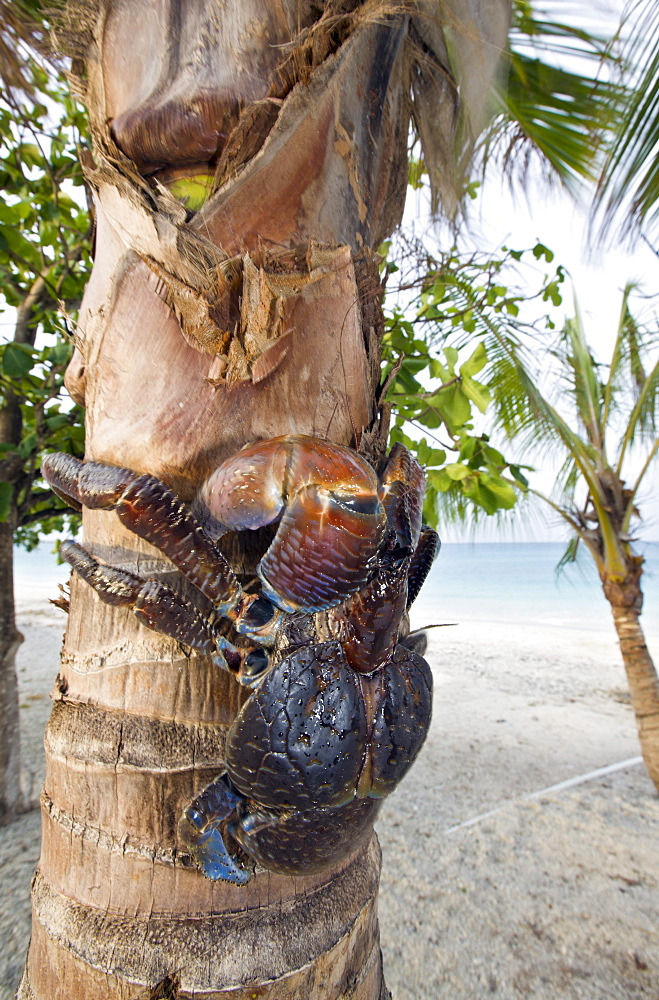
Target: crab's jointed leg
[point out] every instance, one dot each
(401, 491)
(162, 609)
(198, 829)
(155, 604)
(424, 556)
(148, 508)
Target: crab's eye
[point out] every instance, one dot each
(259, 613)
(255, 662)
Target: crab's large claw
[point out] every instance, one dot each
(332, 521)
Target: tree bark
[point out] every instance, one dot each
(10, 637)
(626, 602)
(10, 640)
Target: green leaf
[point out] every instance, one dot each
(17, 360)
(30, 154)
(28, 445)
(416, 173)
(439, 480)
(451, 355)
(430, 506)
(477, 393)
(437, 370)
(476, 362)
(59, 353)
(457, 471)
(428, 455)
(540, 250)
(489, 493)
(453, 405)
(57, 421)
(518, 475)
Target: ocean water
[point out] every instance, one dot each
(37, 575)
(517, 583)
(512, 583)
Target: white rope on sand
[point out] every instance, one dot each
(561, 786)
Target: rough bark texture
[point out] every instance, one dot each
(257, 316)
(626, 600)
(10, 640)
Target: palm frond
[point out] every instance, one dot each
(582, 370)
(644, 418)
(548, 418)
(588, 460)
(602, 517)
(23, 38)
(454, 53)
(625, 356)
(551, 111)
(633, 493)
(570, 555)
(567, 481)
(628, 188)
(549, 115)
(563, 512)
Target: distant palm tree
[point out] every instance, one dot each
(603, 413)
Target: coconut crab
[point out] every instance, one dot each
(341, 696)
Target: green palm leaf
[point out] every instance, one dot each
(629, 182)
(643, 418)
(584, 382)
(551, 111)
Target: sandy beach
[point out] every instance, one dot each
(494, 882)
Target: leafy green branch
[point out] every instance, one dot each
(45, 241)
(448, 371)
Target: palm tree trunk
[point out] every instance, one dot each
(138, 726)
(639, 667)
(260, 316)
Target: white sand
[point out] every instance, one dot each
(553, 897)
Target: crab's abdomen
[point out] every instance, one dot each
(305, 842)
(317, 734)
(300, 741)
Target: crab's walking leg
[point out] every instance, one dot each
(148, 508)
(401, 492)
(198, 829)
(155, 604)
(424, 556)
